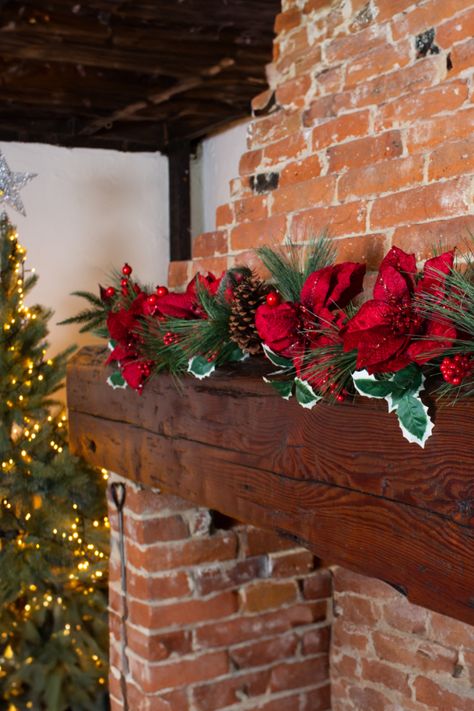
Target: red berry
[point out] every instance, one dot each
(124, 283)
(273, 299)
(152, 299)
(161, 291)
(109, 292)
(340, 397)
(126, 269)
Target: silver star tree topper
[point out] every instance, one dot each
(11, 184)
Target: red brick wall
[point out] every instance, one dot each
(360, 135)
(236, 619)
(389, 655)
(363, 137)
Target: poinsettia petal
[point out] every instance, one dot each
(371, 332)
(121, 352)
(315, 291)
(177, 305)
(120, 323)
(439, 336)
(434, 273)
(133, 374)
(203, 279)
(278, 326)
(379, 347)
(391, 285)
(396, 362)
(401, 262)
(372, 314)
(346, 283)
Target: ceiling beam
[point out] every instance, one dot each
(154, 99)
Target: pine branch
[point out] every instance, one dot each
(291, 265)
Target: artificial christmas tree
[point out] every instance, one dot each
(53, 528)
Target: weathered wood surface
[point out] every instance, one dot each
(340, 480)
(203, 66)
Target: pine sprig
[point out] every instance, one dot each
(455, 304)
(207, 336)
(331, 367)
(291, 265)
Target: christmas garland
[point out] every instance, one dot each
(417, 326)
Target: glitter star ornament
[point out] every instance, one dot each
(11, 184)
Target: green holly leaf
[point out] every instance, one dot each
(410, 379)
(414, 419)
(237, 355)
(283, 387)
(116, 380)
(276, 359)
(305, 394)
(111, 344)
(200, 367)
(369, 386)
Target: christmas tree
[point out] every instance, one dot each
(53, 527)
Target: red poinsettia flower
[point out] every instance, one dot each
(186, 304)
(332, 288)
(120, 323)
(278, 326)
(436, 335)
(286, 328)
(383, 329)
(135, 372)
(323, 296)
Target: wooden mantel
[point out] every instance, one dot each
(340, 480)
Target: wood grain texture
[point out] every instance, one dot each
(171, 49)
(341, 479)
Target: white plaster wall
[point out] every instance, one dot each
(216, 163)
(89, 211)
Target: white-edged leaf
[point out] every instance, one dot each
(305, 394)
(200, 367)
(276, 359)
(409, 379)
(237, 355)
(368, 385)
(116, 380)
(283, 387)
(414, 420)
(111, 344)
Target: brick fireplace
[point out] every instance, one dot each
(228, 616)
(366, 130)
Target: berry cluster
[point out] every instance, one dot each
(170, 338)
(455, 370)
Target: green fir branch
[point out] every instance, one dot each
(291, 265)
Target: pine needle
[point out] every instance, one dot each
(292, 264)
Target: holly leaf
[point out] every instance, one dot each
(237, 355)
(117, 381)
(414, 420)
(276, 359)
(200, 367)
(283, 387)
(410, 379)
(369, 386)
(305, 394)
(111, 344)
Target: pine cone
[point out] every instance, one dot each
(248, 296)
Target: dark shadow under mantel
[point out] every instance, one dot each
(339, 480)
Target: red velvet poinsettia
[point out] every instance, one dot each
(323, 296)
(278, 326)
(383, 329)
(287, 327)
(436, 335)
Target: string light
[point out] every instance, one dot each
(26, 373)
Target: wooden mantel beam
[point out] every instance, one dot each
(338, 480)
